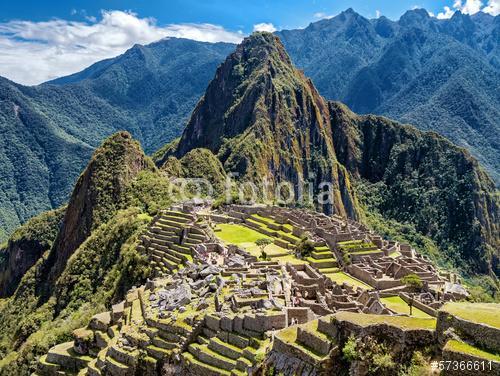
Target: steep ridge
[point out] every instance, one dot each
(423, 179)
(97, 195)
(26, 245)
(265, 120)
(83, 257)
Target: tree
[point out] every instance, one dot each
(304, 248)
(262, 244)
(414, 284)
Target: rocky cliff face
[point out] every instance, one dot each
(25, 247)
(423, 179)
(96, 196)
(264, 119)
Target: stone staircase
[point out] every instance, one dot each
(323, 260)
(169, 241)
(222, 353)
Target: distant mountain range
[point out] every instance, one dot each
(50, 131)
(440, 75)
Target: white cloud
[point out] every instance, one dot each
(448, 13)
(322, 15)
(269, 27)
(471, 7)
(34, 52)
(377, 14)
(492, 8)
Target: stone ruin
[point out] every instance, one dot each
(214, 309)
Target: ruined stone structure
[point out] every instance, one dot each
(213, 308)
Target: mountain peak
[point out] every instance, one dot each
(97, 195)
(263, 46)
(350, 11)
(258, 65)
(415, 17)
(265, 120)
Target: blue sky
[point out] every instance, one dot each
(41, 40)
(233, 15)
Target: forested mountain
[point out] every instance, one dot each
(264, 119)
(440, 75)
(260, 116)
(50, 131)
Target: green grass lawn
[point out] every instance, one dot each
(246, 237)
(404, 322)
(342, 277)
(400, 306)
(265, 219)
(459, 346)
(484, 313)
(358, 247)
(289, 258)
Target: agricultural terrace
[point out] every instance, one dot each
(483, 313)
(402, 322)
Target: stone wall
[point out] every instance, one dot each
(430, 311)
(301, 314)
(366, 277)
(263, 322)
(462, 361)
(403, 341)
(483, 335)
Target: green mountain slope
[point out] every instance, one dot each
(49, 131)
(440, 75)
(269, 121)
(265, 120)
(74, 272)
(424, 180)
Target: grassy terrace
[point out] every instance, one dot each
(246, 237)
(402, 322)
(289, 336)
(265, 219)
(465, 348)
(342, 277)
(400, 306)
(357, 247)
(482, 313)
